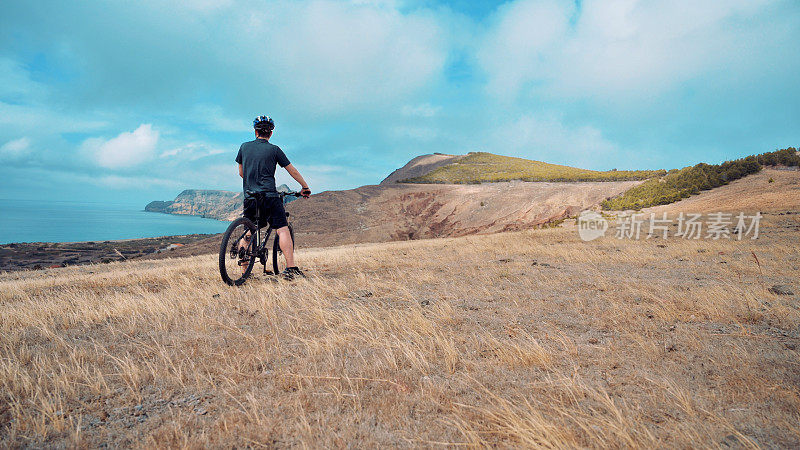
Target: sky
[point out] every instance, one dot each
(127, 102)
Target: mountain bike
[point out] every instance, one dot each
(244, 242)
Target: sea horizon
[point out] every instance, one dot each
(25, 221)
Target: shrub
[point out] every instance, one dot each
(681, 183)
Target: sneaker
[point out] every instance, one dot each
(290, 273)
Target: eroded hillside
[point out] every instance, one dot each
(409, 211)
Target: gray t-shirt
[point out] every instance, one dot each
(258, 159)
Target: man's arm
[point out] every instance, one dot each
(299, 178)
(241, 171)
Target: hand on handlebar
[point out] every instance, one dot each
(305, 192)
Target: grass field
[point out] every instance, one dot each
(532, 339)
(481, 167)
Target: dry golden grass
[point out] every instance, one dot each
(448, 342)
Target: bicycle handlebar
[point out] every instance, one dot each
(280, 194)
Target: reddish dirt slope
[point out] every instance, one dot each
(401, 212)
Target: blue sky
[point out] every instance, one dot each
(126, 102)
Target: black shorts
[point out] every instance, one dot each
(270, 212)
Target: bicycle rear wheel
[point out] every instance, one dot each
(278, 261)
(237, 252)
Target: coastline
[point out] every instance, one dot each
(43, 255)
(25, 221)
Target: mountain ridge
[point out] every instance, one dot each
(420, 166)
(484, 167)
(435, 181)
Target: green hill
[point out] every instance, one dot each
(481, 167)
(681, 183)
(660, 188)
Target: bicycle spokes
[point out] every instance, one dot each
(238, 251)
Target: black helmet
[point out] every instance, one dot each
(264, 123)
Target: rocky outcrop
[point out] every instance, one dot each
(420, 166)
(220, 205)
(158, 206)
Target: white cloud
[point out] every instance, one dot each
(419, 133)
(43, 118)
(126, 150)
(322, 177)
(425, 110)
(15, 81)
(386, 4)
(134, 182)
(626, 48)
(213, 176)
(331, 56)
(346, 79)
(323, 168)
(207, 6)
(314, 58)
(548, 139)
(15, 149)
(192, 152)
(215, 118)
(525, 34)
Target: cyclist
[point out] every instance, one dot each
(257, 161)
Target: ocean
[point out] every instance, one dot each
(35, 221)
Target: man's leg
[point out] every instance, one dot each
(249, 212)
(286, 244)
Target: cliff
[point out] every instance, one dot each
(220, 205)
(158, 206)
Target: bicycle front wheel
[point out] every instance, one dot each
(237, 252)
(278, 261)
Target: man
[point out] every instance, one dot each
(257, 160)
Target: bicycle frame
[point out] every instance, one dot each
(261, 249)
(242, 249)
